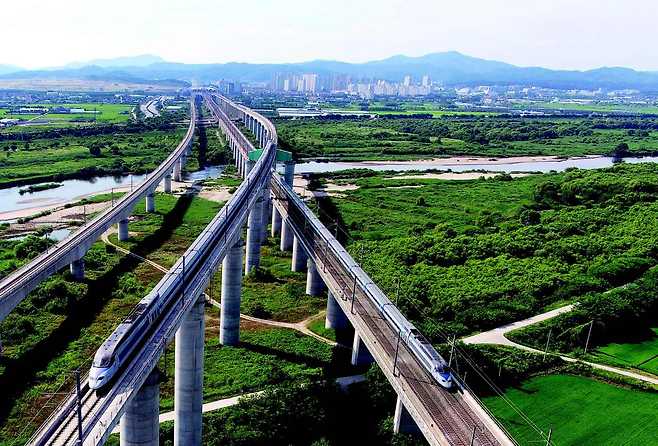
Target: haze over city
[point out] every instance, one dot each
(557, 34)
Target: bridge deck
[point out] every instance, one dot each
(444, 417)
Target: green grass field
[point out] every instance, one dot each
(109, 113)
(42, 159)
(641, 354)
(581, 411)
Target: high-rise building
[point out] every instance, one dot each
(426, 81)
(310, 82)
(407, 80)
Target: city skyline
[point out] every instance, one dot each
(560, 35)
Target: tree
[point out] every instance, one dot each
(621, 150)
(95, 150)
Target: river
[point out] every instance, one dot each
(466, 164)
(71, 190)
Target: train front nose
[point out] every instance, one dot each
(97, 377)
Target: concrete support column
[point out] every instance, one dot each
(123, 230)
(286, 236)
(253, 236)
(276, 222)
(314, 283)
(360, 353)
(188, 377)
(229, 321)
(150, 202)
(299, 257)
(265, 214)
(167, 184)
(177, 171)
(336, 318)
(403, 423)
(289, 173)
(140, 424)
(78, 269)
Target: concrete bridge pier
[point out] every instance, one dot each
(336, 318)
(403, 423)
(360, 353)
(299, 257)
(123, 230)
(140, 424)
(276, 222)
(229, 320)
(77, 268)
(314, 283)
(254, 232)
(265, 213)
(167, 184)
(286, 236)
(188, 377)
(177, 170)
(289, 172)
(150, 202)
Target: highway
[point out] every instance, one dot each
(16, 286)
(150, 108)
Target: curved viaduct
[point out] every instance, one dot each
(88, 417)
(70, 251)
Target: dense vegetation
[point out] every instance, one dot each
(474, 255)
(381, 138)
(313, 414)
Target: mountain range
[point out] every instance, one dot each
(451, 68)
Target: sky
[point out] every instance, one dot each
(563, 34)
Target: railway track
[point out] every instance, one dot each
(458, 422)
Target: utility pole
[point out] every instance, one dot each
(79, 398)
(473, 436)
(589, 333)
(548, 340)
(548, 439)
(452, 350)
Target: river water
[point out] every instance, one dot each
(71, 190)
(559, 165)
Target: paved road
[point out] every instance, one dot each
(497, 337)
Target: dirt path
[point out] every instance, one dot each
(497, 337)
(301, 326)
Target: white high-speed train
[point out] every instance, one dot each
(409, 334)
(130, 334)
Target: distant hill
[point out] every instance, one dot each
(130, 61)
(4, 69)
(451, 68)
